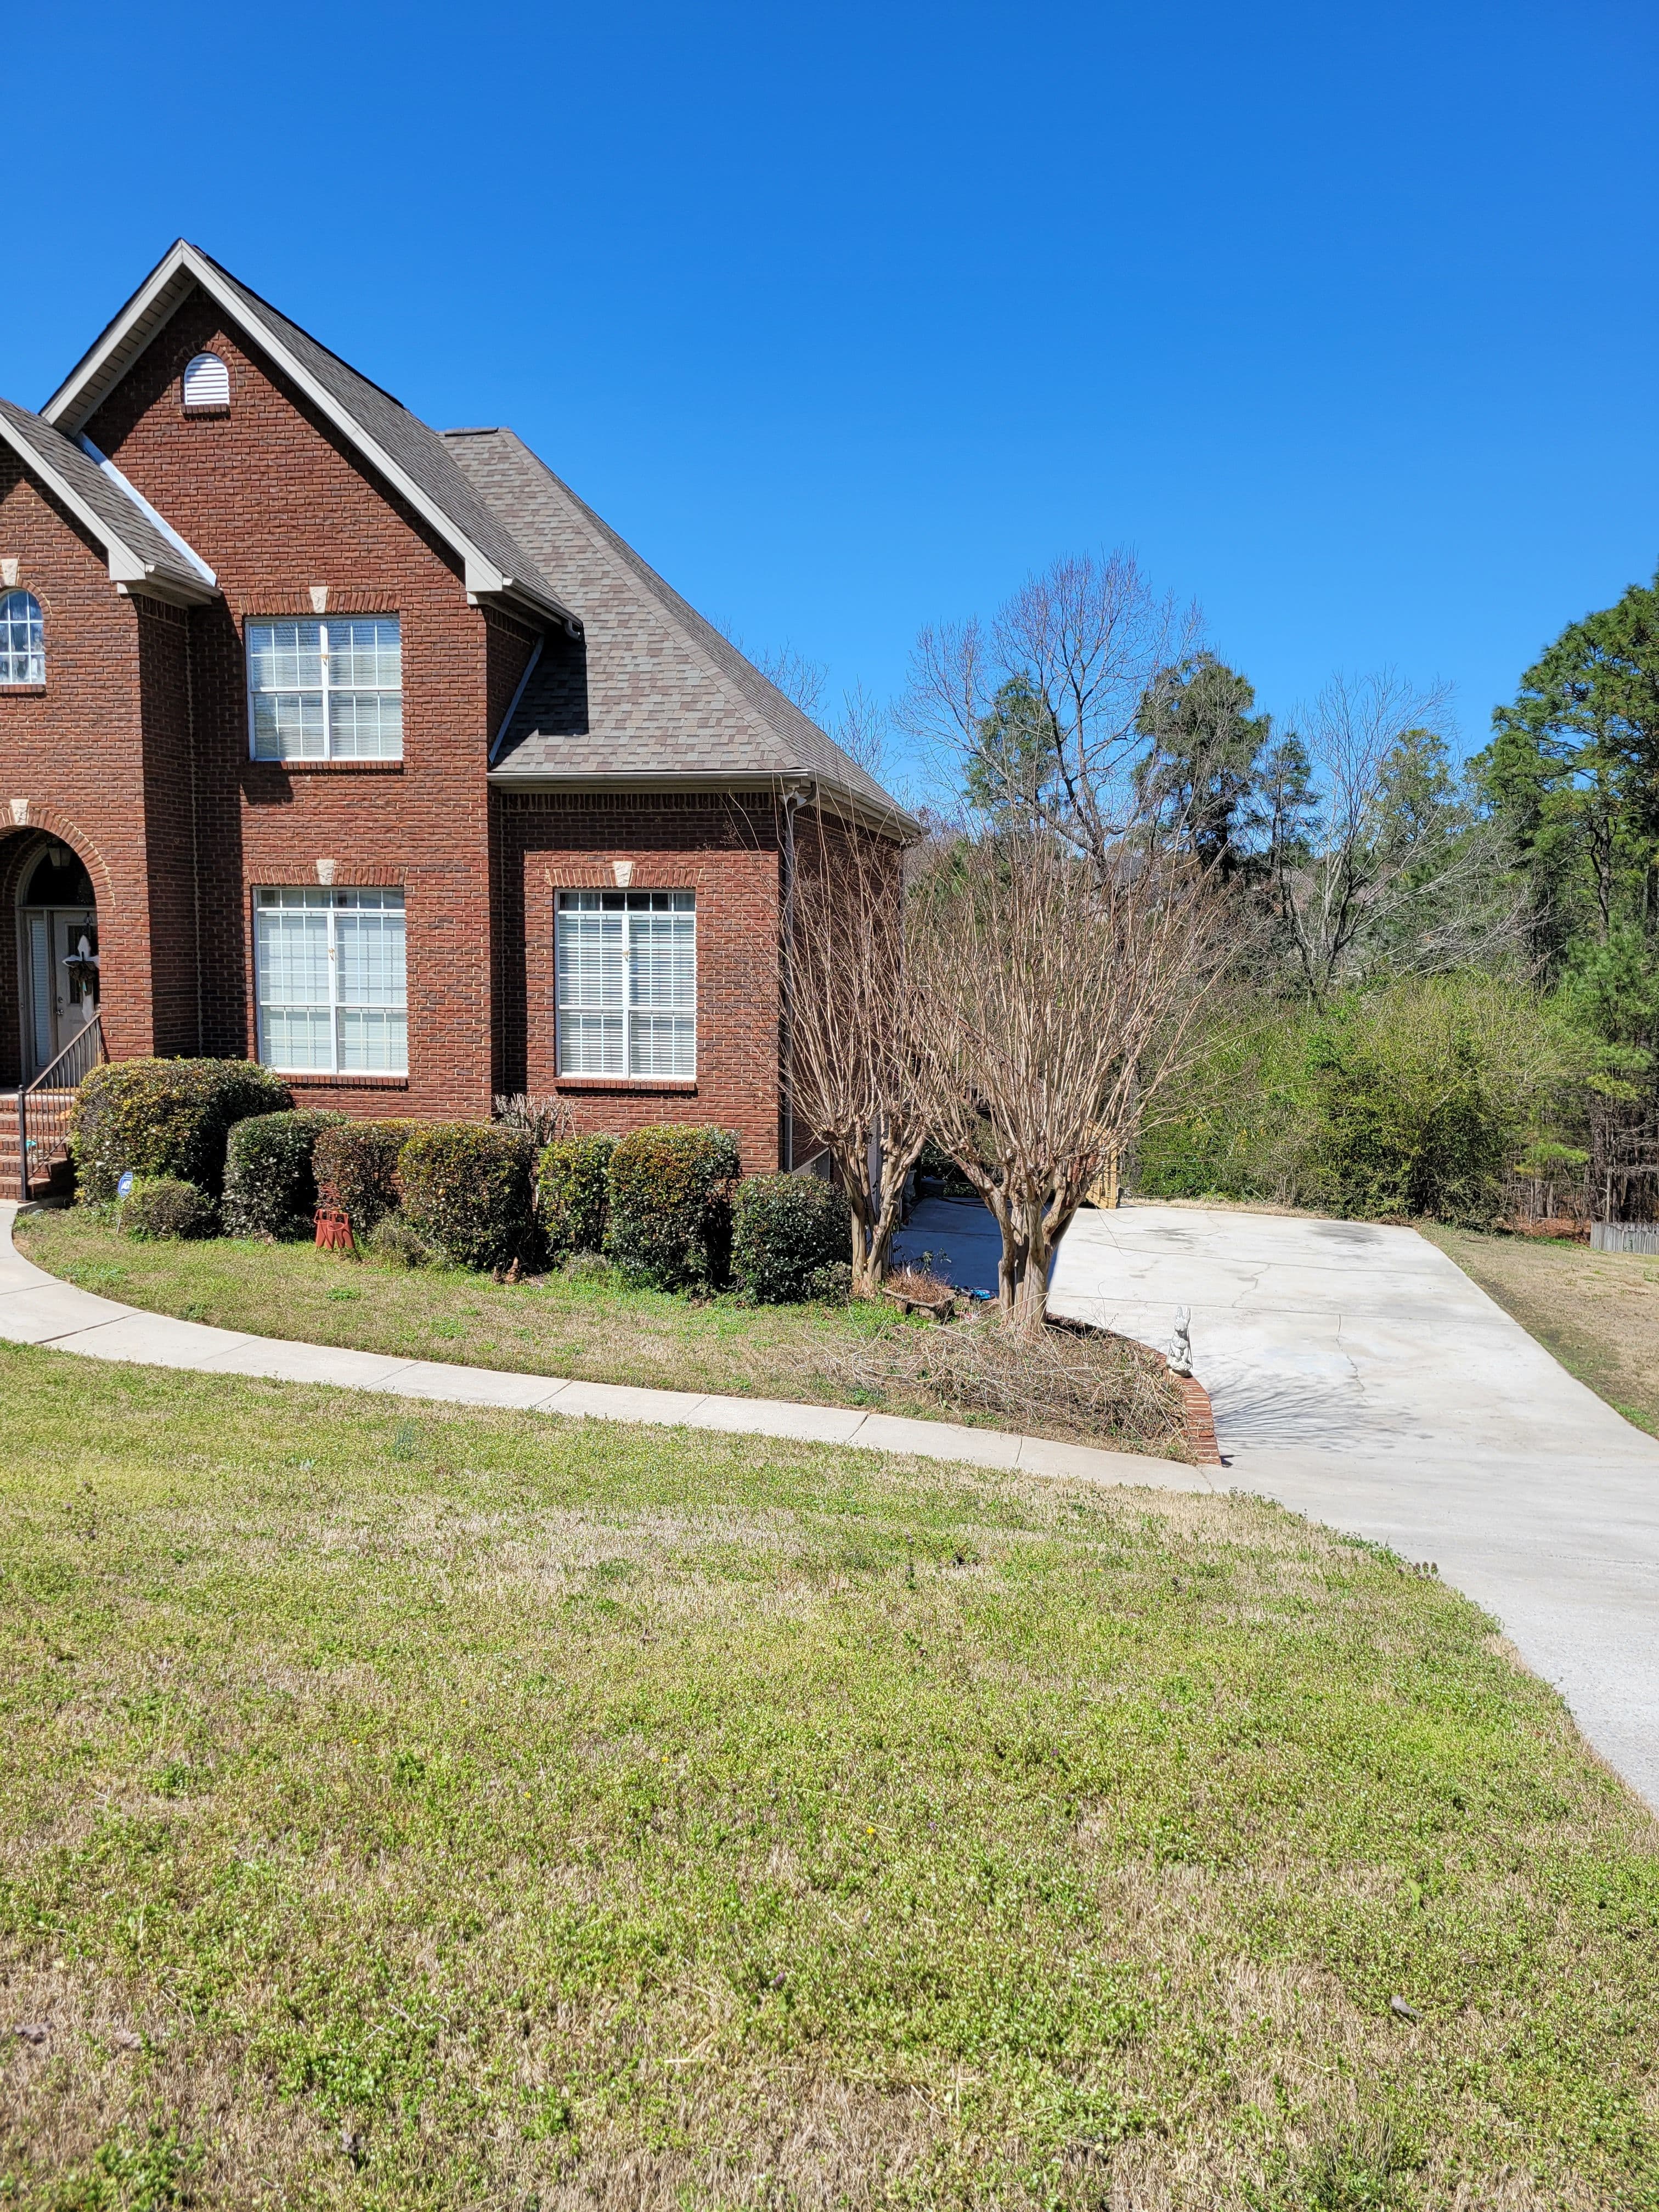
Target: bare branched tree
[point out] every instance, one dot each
(1040, 705)
(1373, 862)
(795, 676)
(861, 726)
(852, 1021)
(861, 729)
(1054, 998)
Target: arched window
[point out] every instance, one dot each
(207, 382)
(23, 639)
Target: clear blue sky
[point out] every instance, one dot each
(1345, 319)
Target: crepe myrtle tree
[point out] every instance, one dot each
(1055, 996)
(851, 1023)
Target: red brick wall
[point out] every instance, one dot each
(274, 502)
(143, 733)
(75, 753)
(170, 855)
(726, 852)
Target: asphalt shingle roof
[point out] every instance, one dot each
(122, 517)
(654, 692)
(414, 447)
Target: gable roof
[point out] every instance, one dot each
(398, 445)
(145, 554)
(666, 699)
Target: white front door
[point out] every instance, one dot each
(59, 948)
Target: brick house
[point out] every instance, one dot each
(372, 753)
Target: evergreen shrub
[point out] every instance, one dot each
(671, 1206)
(166, 1205)
(270, 1188)
(1429, 1091)
(1417, 1096)
(165, 1117)
(573, 1193)
(792, 1239)
(392, 1241)
(355, 1165)
(467, 1191)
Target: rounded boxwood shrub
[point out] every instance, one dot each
(573, 1193)
(355, 1165)
(165, 1205)
(792, 1239)
(165, 1117)
(467, 1191)
(269, 1188)
(671, 1206)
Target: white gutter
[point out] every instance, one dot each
(158, 522)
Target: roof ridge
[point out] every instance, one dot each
(271, 308)
(727, 663)
(616, 548)
(406, 453)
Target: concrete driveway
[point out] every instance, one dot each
(1361, 1377)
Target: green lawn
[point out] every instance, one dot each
(597, 1329)
(1596, 1312)
(400, 1810)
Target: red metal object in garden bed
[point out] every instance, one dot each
(334, 1229)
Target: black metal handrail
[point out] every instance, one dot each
(53, 1091)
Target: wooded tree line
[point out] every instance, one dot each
(1163, 933)
(1444, 991)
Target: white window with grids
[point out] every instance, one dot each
(330, 981)
(22, 639)
(327, 690)
(627, 967)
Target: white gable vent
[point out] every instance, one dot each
(207, 382)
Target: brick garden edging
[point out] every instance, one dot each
(1198, 1422)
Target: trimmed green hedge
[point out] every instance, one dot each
(670, 1205)
(165, 1117)
(356, 1165)
(792, 1239)
(165, 1205)
(466, 1190)
(270, 1188)
(573, 1193)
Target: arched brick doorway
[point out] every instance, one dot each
(50, 980)
(56, 910)
(49, 997)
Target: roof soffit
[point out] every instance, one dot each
(184, 268)
(139, 555)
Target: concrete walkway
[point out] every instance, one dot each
(1358, 1376)
(1362, 1378)
(36, 1307)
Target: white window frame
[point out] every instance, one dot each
(326, 692)
(632, 1009)
(334, 902)
(31, 655)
